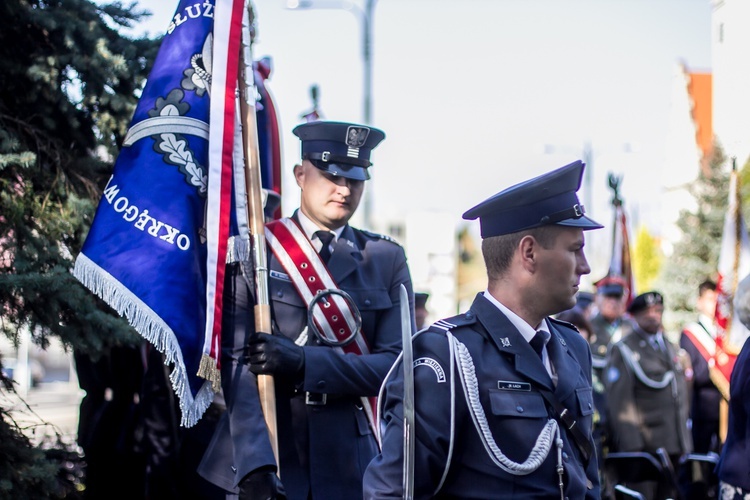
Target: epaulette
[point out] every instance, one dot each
(380, 236)
(444, 325)
(565, 323)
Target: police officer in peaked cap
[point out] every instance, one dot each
(503, 399)
(323, 385)
(339, 149)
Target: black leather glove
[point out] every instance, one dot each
(262, 484)
(274, 355)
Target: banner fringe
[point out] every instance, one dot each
(209, 371)
(238, 249)
(148, 324)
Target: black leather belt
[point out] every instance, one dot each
(316, 398)
(321, 398)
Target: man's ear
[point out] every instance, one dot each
(299, 174)
(527, 250)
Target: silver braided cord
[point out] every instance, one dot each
(549, 435)
(451, 358)
(464, 366)
(629, 357)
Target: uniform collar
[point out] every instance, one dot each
(309, 228)
(522, 326)
(708, 324)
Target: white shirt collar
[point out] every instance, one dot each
(309, 228)
(526, 330)
(708, 324)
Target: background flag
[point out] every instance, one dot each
(734, 264)
(621, 265)
(157, 248)
(269, 139)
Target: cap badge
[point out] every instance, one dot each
(355, 139)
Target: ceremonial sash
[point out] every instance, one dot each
(310, 276)
(720, 362)
(702, 340)
(720, 370)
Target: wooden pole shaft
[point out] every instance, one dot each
(256, 220)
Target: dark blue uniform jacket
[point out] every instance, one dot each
(508, 373)
(324, 449)
(734, 465)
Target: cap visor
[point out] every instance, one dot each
(342, 170)
(583, 222)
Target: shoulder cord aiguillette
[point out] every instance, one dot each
(635, 366)
(549, 435)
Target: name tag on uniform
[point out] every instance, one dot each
(506, 385)
(280, 276)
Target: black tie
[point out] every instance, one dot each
(325, 238)
(537, 343)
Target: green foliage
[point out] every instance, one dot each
(66, 100)
(647, 259)
(68, 88)
(695, 257)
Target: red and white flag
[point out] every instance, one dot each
(621, 265)
(734, 264)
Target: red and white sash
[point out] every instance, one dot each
(702, 340)
(333, 315)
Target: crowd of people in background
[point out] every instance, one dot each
(635, 412)
(657, 406)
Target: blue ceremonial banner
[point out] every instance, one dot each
(157, 248)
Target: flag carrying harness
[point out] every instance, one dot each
(336, 320)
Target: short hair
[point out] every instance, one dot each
(706, 285)
(498, 250)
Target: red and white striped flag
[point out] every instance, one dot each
(621, 265)
(734, 264)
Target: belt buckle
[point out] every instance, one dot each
(315, 398)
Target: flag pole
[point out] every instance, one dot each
(725, 355)
(262, 308)
(737, 238)
(724, 403)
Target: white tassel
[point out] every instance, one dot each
(152, 328)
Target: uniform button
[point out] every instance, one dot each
(565, 456)
(589, 406)
(367, 302)
(321, 384)
(589, 484)
(519, 409)
(279, 293)
(469, 315)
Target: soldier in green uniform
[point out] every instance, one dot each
(646, 389)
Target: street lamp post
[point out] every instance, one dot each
(365, 15)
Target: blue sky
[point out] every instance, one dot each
(469, 92)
